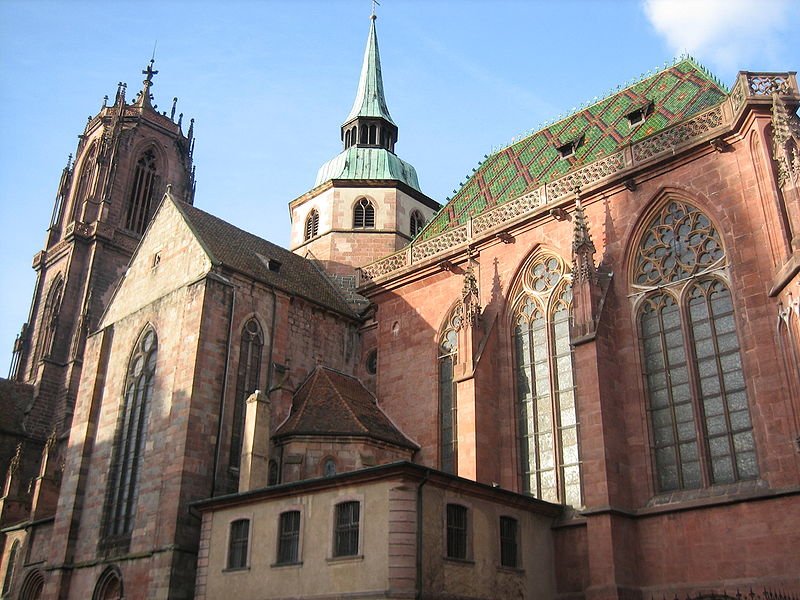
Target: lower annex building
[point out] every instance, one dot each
(576, 379)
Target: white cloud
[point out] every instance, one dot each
(727, 32)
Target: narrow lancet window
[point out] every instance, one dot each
(142, 194)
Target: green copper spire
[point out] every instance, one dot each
(370, 101)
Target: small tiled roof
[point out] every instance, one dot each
(671, 95)
(332, 403)
(14, 398)
(357, 162)
(246, 253)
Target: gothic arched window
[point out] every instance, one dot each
(699, 416)
(364, 214)
(49, 323)
(84, 182)
(33, 586)
(312, 224)
(417, 222)
(130, 439)
(247, 379)
(448, 356)
(143, 191)
(109, 586)
(10, 564)
(548, 423)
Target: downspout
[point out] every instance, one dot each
(419, 534)
(224, 383)
(269, 378)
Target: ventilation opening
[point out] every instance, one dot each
(639, 115)
(569, 148)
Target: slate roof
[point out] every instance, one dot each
(332, 403)
(14, 398)
(229, 246)
(676, 93)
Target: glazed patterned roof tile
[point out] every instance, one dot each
(676, 93)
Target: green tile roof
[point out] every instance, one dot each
(367, 163)
(676, 93)
(370, 101)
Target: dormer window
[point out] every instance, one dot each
(569, 148)
(639, 115)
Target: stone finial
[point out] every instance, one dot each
(470, 297)
(583, 250)
(783, 130)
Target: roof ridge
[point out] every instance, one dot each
(310, 381)
(363, 427)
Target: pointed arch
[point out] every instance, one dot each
(547, 425)
(699, 418)
(11, 563)
(32, 586)
(447, 357)
(144, 187)
(48, 325)
(109, 585)
(85, 179)
(416, 223)
(364, 214)
(248, 378)
(129, 440)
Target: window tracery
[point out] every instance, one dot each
(701, 433)
(143, 191)
(247, 379)
(547, 416)
(123, 481)
(447, 358)
(364, 214)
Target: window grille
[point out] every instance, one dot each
(289, 537)
(508, 542)
(456, 531)
(345, 539)
(237, 544)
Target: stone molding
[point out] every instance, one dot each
(756, 87)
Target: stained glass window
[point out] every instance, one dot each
(448, 353)
(247, 379)
(547, 416)
(130, 438)
(701, 433)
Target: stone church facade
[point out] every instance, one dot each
(577, 378)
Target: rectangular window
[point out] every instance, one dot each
(456, 531)
(289, 537)
(345, 538)
(508, 542)
(237, 544)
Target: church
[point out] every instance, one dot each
(578, 378)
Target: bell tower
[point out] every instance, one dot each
(366, 202)
(127, 155)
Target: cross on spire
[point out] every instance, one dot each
(375, 3)
(149, 72)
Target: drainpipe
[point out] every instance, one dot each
(419, 534)
(224, 384)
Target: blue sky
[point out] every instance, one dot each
(269, 83)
